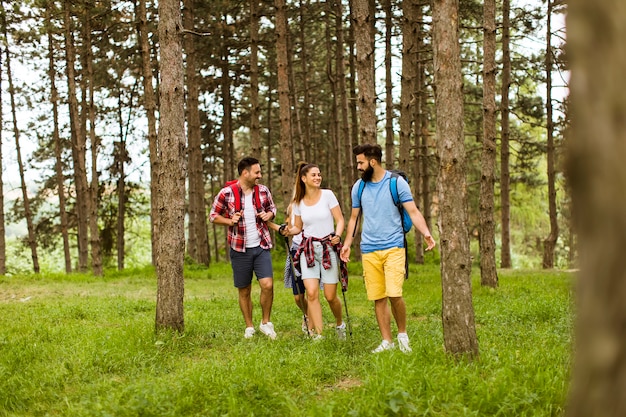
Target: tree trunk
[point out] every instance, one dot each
(58, 164)
(459, 331)
(198, 247)
(344, 134)
(286, 143)
(505, 173)
(362, 21)
(149, 102)
(354, 118)
(408, 100)
(550, 242)
(227, 117)
(3, 245)
(487, 235)
(421, 174)
(94, 232)
(121, 158)
(389, 136)
(597, 175)
(32, 240)
(78, 144)
(255, 127)
(306, 93)
(171, 181)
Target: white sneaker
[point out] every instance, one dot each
(403, 343)
(249, 332)
(384, 345)
(317, 337)
(268, 330)
(341, 331)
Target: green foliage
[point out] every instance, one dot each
(77, 345)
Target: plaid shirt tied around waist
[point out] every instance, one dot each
(306, 248)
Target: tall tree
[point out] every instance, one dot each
(58, 163)
(283, 99)
(597, 174)
(94, 233)
(150, 108)
(340, 70)
(171, 181)
(3, 245)
(487, 234)
(198, 247)
(32, 240)
(410, 66)
(255, 126)
(362, 21)
(505, 172)
(549, 244)
(389, 135)
(459, 329)
(78, 142)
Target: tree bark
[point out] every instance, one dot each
(198, 247)
(171, 181)
(58, 163)
(505, 173)
(255, 127)
(286, 143)
(32, 240)
(389, 135)
(487, 235)
(597, 175)
(78, 144)
(550, 242)
(3, 245)
(348, 171)
(408, 100)
(149, 103)
(94, 232)
(362, 21)
(459, 331)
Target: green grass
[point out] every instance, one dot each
(83, 346)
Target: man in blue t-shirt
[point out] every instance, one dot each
(382, 241)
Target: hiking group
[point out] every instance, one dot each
(316, 257)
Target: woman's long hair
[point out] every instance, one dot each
(300, 188)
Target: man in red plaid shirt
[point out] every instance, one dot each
(249, 240)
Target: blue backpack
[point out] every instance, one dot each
(407, 223)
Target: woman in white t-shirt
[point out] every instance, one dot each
(318, 216)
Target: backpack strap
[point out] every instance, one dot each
(235, 188)
(359, 194)
(256, 198)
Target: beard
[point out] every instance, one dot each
(367, 174)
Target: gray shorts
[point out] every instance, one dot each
(257, 260)
(326, 276)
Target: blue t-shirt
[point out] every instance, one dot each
(382, 225)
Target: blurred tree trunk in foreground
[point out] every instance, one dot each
(597, 173)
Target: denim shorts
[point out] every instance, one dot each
(257, 260)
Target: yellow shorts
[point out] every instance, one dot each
(383, 273)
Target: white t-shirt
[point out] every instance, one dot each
(317, 219)
(253, 238)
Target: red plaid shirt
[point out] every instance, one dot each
(224, 205)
